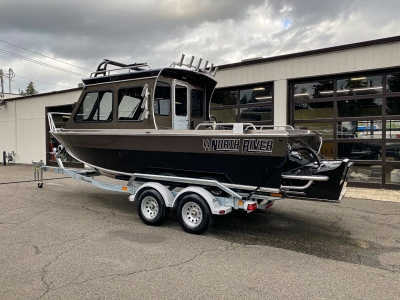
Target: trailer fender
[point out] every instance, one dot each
(164, 192)
(215, 207)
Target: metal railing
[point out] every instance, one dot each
(102, 68)
(210, 70)
(225, 126)
(275, 127)
(52, 126)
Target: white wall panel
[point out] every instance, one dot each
(359, 59)
(256, 73)
(221, 79)
(238, 76)
(318, 66)
(26, 134)
(377, 56)
(387, 55)
(266, 72)
(281, 70)
(288, 68)
(231, 80)
(31, 140)
(244, 75)
(280, 102)
(250, 74)
(341, 61)
(396, 55)
(7, 125)
(326, 66)
(333, 62)
(369, 58)
(296, 68)
(310, 65)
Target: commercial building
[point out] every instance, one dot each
(350, 93)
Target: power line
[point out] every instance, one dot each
(40, 63)
(44, 82)
(45, 56)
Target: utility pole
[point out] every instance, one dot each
(2, 85)
(10, 75)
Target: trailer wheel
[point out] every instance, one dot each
(151, 208)
(194, 214)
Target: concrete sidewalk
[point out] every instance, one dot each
(373, 194)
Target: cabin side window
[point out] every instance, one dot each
(162, 99)
(181, 100)
(130, 103)
(95, 107)
(197, 103)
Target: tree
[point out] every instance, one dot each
(30, 90)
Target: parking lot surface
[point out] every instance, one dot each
(70, 240)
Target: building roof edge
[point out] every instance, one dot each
(312, 52)
(43, 94)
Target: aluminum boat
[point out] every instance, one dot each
(133, 119)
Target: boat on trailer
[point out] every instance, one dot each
(154, 125)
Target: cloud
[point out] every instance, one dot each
(82, 33)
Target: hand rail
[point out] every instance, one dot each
(275, 126)
(52, 126)
(216, 125)
(305, 177)
(102, 68)
(298, 188)
(108, 72)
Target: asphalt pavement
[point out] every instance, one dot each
(70, 240)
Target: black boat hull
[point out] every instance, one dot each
(227, 158)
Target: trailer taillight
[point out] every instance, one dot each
(251, 206)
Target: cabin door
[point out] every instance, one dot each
(180, 105)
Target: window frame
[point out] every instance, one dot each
(118, 103)
(96, 121)
(201, 105)
(170, 100)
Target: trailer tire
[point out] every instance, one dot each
(151, 208)
(194, 214)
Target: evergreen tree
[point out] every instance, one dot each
(30, 90)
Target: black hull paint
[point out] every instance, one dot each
(331, 190)
(238, 169)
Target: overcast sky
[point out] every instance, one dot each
(82, 33)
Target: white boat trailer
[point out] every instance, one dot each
(196, 202)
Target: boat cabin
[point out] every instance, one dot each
(137, 97)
